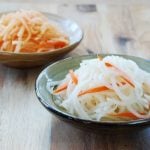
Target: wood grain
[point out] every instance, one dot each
(23, 122)
(70, 138)
(117, 26)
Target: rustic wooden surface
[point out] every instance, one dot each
(117, 26)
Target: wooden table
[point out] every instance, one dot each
(121, 27)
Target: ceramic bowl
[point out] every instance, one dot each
(24, 60)
(57, 71)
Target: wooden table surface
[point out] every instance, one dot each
(121, 27)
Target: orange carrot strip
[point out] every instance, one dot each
(94, 90)
(1, 42)
(61, 88)
(123, 83)
(108, 64)
(44, 44)
(126, 115)
(128, 81)
(52, 44)
(60, 44)
(125, 78)
(73, 77)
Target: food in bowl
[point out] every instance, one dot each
(29, 31)
(104, 89)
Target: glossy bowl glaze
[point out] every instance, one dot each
(57, 71)
(27, 60)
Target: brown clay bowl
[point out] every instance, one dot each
(27, 60)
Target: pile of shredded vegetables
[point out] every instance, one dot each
(29, 31)
(112, 88)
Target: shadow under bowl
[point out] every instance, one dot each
(57, 71)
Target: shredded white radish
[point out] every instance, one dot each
(113, 88)
(29, 31)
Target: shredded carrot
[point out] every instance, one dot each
(128, 81)
(94, 90)
(108, 64)
(29, 31)
(73, 77)
(125, 77)
(59, 44)
(122, 83)
(126, 115)
(61, 88)
(1, 42)
(100, 57)
(52, 44)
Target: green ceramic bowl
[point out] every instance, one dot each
(57, 71)
(27, 60)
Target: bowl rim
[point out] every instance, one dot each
(48, 52)
(66, 115)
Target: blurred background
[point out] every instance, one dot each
(114, 26)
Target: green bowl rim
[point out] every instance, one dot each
(71, 117)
